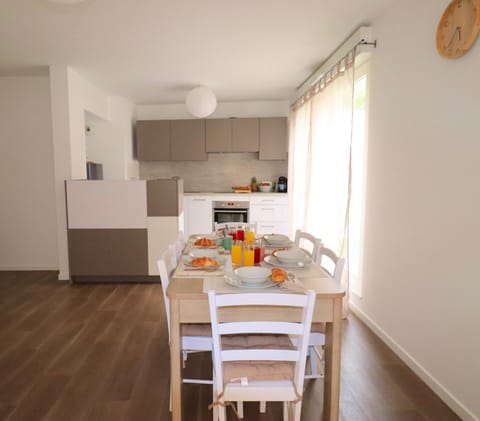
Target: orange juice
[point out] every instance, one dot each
(236, 251)
(250, 237)
(248, 256)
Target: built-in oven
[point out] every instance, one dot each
(230, 211)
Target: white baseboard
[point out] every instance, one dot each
(464, 413)
(28, 268)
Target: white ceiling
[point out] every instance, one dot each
(155, 51)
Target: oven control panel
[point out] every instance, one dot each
(231, 205)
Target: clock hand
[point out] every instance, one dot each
(457, 29)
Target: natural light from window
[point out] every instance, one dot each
(358, 182)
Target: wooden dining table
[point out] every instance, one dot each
(189, 304)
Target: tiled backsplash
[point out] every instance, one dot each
(218, 174)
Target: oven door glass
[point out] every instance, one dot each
(230, 215)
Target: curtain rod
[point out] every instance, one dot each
(361, 36)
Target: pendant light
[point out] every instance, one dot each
(201, 102)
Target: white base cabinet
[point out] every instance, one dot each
(198, 215)
(270, 213)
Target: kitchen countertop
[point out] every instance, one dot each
(233, 193)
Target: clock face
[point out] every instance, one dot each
(458, 28)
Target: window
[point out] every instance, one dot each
(357, 200)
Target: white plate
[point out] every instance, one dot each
(272, 260)
(204, 252)
(233, 280)
(187, 259)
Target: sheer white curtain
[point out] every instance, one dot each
(320, 161)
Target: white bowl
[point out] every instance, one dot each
(290, 256)
(252, 274)
(276, 239)
(265, 189)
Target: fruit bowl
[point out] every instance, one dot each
(265, 186)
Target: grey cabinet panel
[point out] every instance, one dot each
(245, 137)
(273, 138)
(108, 251)
(153, 140)
(188, 140)
(164, 197)
(218, 135)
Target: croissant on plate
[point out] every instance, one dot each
(278, 275)
(205, 242)
(204, 261)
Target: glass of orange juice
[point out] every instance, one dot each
(248, 255)
(236, 251)
(249, 237)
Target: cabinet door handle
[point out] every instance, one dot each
(268, 209)
(268, 226)
(199, 200)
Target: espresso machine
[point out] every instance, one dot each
(282, 185)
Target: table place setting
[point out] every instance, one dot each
(197, 264)
(255, 279)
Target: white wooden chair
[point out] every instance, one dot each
(307, 242)
(259, 362)
(334, 265)
(195, 337)
(222, 226)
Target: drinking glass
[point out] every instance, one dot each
(240, 234)
(237, 248)
(249, 237)
(248, 255)
(227, 242)
(259, 252)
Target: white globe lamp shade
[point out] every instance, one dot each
(201, 102)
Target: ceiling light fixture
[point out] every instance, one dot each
(201, 102)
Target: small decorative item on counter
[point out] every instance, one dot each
(241, 189)
(254, 185)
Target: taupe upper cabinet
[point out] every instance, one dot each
(232, 135)
(218, 135)
(188, 140)
(273, 138)
(153, 140)
(245, 135)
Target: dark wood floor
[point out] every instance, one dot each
(100, 353)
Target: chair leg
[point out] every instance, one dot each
(263, 407)
(312, 356)
(285, 411)
(240, 409)
(297, 411)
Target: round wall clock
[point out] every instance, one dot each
(458, 28)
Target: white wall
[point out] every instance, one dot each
(110, 141)
(27, 209)
(421, 282)
(223, 110)
(72, 96)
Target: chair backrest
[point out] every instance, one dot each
(299, 328)
(221, 226)
(181, 239)
(329, 261)
(308, 243)
(175, 256)
(166, 268)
